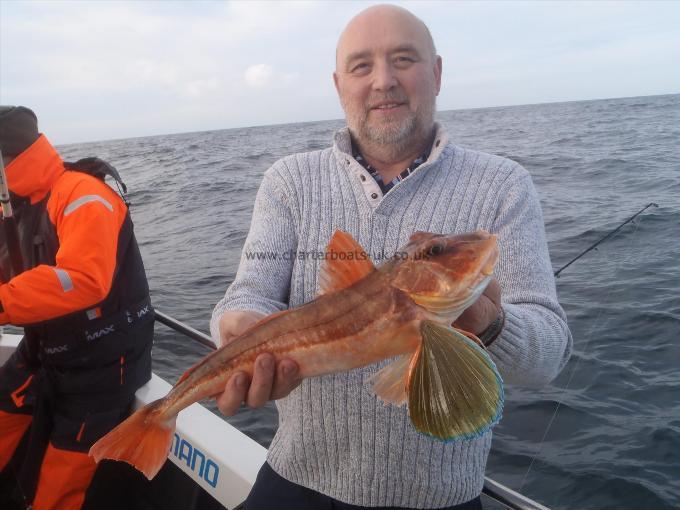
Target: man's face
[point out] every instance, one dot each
(387, 77)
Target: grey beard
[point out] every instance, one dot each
(394, 144)
(387, 135)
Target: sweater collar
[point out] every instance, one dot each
(33, 172)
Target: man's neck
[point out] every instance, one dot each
(390, 161)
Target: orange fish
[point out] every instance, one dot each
(404, 308)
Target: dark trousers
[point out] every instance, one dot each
(273, 491)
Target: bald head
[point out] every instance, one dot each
(384, 21)
(388, 76)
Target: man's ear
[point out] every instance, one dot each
(335, 81)
(438, 73)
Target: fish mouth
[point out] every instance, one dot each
(493, 253)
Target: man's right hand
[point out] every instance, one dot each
(270, 381)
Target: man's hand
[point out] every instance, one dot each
(233, 323)
(270, 380)
(482, 312)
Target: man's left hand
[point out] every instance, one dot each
(482, 312)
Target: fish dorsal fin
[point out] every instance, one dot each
(346, 262)
(454, 389)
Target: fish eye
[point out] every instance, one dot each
(435, 249)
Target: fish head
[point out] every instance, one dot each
(445, 273)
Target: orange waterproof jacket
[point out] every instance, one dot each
(86, 215)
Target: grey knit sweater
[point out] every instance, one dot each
(334, 436)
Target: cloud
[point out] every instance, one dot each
(136, 46)
(261, 76)
(199, 88)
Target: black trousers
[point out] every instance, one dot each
(272, 491)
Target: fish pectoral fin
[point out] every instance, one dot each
(454, 389)
(346, 262)
(389, 384)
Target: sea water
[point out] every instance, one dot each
(606, 433)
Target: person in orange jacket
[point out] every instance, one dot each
(83, 301)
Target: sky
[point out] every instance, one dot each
(99, 70)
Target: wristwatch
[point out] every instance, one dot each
(494, 330)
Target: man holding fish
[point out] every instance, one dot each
(387, 376)
(391, 173)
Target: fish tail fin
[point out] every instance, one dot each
(454, 389)
(143, 440)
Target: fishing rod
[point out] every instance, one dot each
(9, 223)
(494, 490)
(588, 336)
(185, 329)
(594, 245)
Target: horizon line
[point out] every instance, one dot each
(342, 119)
